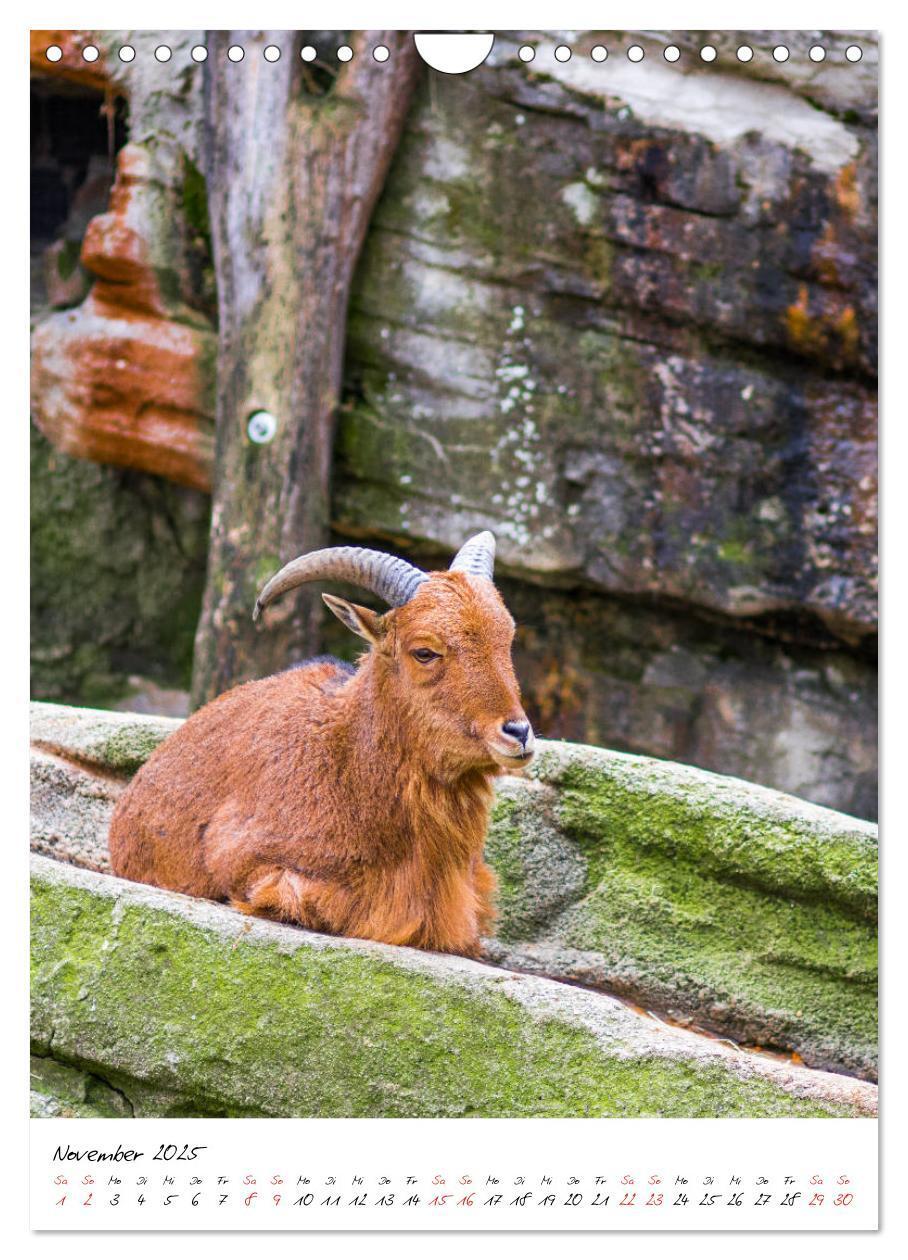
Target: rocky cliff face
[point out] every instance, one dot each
(640, 349)
(117, 566)
(624, 315)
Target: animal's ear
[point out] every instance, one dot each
(362, 621)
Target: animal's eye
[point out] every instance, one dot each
(424, 655)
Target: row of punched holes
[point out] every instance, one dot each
(526, 53)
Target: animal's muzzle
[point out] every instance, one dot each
(519, 741)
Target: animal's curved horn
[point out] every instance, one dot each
(393, 580)
(477, 556)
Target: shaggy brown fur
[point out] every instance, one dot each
(348, 803)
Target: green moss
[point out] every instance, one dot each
(58, 1089)
(195, 198)
(117, 572)
(702, 897)
(777, 974)
(504, 851)
(129, 748)
(193, 201)
(599, 255)
(68, 258)
(265, 568)
(199, 1024)
(734, 552)
(722, 826)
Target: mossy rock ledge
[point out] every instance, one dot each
(716, 902)
(164, 1005)
(706, 899)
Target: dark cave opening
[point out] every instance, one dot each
(76, 133)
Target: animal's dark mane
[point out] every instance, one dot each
(344, 666)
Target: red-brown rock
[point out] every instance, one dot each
(72, 65)
(127, 377)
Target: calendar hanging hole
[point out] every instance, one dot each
(780, 53)
(90, 53)
(708, 53)
(817, 53)
(562, 53)
(54, 53)
(127, 53)
(345, 53)
(452, 53)
(162, 53)
(526, 53)
(599, 52)
(235, 53)
(272, 53)
(672, 53)
(381, 53)
(854, 53)
(745, 53)
(635, 53)
(199, 53)
(308, 53)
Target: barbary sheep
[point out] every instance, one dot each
(349, 801)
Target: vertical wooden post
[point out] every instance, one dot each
(293, 174)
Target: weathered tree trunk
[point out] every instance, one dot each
(293, 174)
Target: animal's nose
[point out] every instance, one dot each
(518, 730)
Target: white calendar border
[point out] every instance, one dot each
(623, 1175)
(13, 504)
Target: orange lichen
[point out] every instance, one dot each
(832, 333)
(826, 254)
(849, 335)
(847, 192)
(797, 318)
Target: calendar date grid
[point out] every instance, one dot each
(277, 1190)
